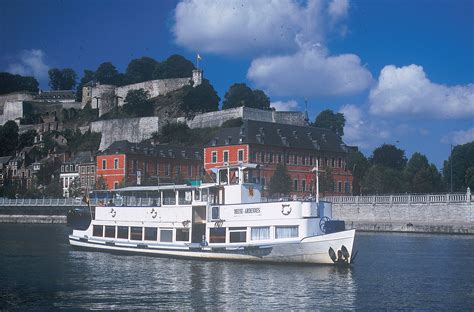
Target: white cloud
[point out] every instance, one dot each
(338, 9)
(310, 72)
(284, 106)
(360, 131)
(459, 137)
(236, 26)
(30, 63)
(407, 91)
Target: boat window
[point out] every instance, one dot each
(98, 230)
(184, 197)
(122, 232)
(169, 198)
(238, 234)
(151, 234)
(136, 233)
(110, 231)
(182, 235)
(215, 213)
(166, 236)
(197, 194)
(286, 231)
(260, 233)
(217, 235)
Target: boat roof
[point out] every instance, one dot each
(162, 187)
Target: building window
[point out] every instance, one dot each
(157, 168)
(110, 231)
(217, 235)
(145, 167)
(263, 181)
(122, 232)
(167, 170)
(182, 235)
(303, 185)
(116, 163)
(116, 185)
(295, 185)
(241, 155)
(333, 162)
(339, 186)
(225, 156)
(347, 187)
(178, 169)
(190, 171)
(214, 157)
(339, 162)
(262, 157)
(134, 166)
(238, 234)
(166, 236)
(260, 233)
(136, 233)
(151, 234)
(286, 231)
(104, 164)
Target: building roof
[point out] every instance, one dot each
(5, 159)
(163, 151)
(84, 157)
(56, 95)
(280, 135)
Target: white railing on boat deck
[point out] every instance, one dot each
(401, 199)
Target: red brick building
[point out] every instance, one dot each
(125, 164)
(270, 144)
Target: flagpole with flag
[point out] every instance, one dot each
(198, 58)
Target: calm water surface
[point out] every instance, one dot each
(39, 270)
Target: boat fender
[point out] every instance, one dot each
(332, 255)
(345, 253)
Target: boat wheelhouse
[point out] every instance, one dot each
(227, 220)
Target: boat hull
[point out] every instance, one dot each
(310, 250)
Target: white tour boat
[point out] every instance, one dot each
(226, 220)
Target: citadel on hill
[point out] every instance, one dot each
(130, 151)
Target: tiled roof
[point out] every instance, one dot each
(280, 135)
(5, 159)
(163, 151)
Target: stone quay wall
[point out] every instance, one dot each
(134, 130)
(447, 213)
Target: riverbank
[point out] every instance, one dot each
(33, 219)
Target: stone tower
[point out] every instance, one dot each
(197, 77)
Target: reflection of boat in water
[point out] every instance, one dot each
(225, 220)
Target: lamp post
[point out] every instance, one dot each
(451, 167)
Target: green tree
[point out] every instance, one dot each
(383, 180)
(75, 188)
(138, 104)
(280, 183)
(89, 76)
(326, 182)
(200, 99)
(26, 139)
(469, 179)
(175, 66)
(461, 159)
(358, 164)
(8, 138)
(107, 73)
(389, 156)
(327, 119)
(420, 176)
(141, 69)
(174, 133)
(62, 79)
(46, 173)
(101, 184)
(239, 94)
(13, 83)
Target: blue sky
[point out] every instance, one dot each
(402, 72)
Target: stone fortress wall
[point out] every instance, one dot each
(106, 97)
(216, 119)
(134, 130)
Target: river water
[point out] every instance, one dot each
(39, 270)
